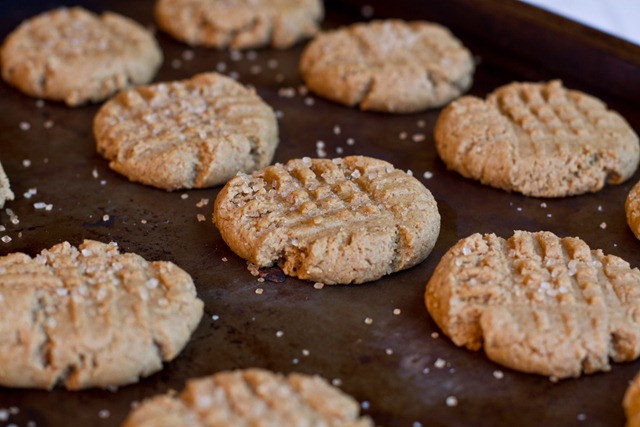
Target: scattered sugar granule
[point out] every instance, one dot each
(176, 63)
(519, 209)
(581, 417)
(337, 130)
(452, 401)
(261, 279)
(336, 382)
(409, 172)
(427, 175)
(419, 137)
(39, 205)
(272, 64)
(365, 405)
(30, 193)
(215, 317)
(224, 259)
(259, 291)
(25, 126)
(421, 123)
(184, 196)
(279, 114)
(188, 55)
(48, 207)
(603, 225)
(6, 239)
(103, 182)
(143, 221)
(48, 124)
(318, 285)
(403, 135)
(279, 334)
(255, 69)
(389, 351)
(153, 283)
(308, 101)
(368, 320)
(367, 11)
(105, 218)
(286, 92)
(396, 311)
(305, 352)
(440, 363)
(4, 414)
(498, 375)
(26, 163)
(303, 90)
(201, 218)
(235, 55)
(549, 215)
(104, 413)
(251, 55)
(543, 205)
(40, 103)
(295, 361)
(599, 208)
(221, 67)
(94, 173)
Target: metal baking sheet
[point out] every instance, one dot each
(391, 363)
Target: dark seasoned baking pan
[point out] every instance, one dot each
(392, 363)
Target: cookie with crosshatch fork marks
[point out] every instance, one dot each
(91, 316)
(538, 303)
(539, 139)
(632, 208)
(346, 220)
(252, 397)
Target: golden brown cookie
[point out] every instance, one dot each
(538, 303)
(75, 56)
(91, 317)
(251, 397)
(539, 139)
(192, 133)
(337, 221)
(239, 24)
(393, 66)
(631, 403)
(632, 207)
(5, 189)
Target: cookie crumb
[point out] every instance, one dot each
(260, 279)
(202, 202)
(396, 311)
(389, 351)
(279, 334)
(224, 259)
(543, 205)
(201, 218)
(603, 225)
(368, 320)
(452, 401)
(286, 92)
(419, 137)
(318, 285)
(351, 141)
(184, 196)
(337, 130)
(105, 218)
(403, 135)
(305, 352)
(26, 163)
(259, 291)
(497, 374)
(143, 221)
(434, 335)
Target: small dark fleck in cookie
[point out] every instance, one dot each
(539, 139)
(538, 303)
(337, 221)
(91, 317)
(239, 24)
(192, 133)
(632, 207)
(252, 397)
(392, 66)
(5, 189)
(76, 56)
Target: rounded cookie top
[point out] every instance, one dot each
(632, 207)
(631, 403)
(252, 397)
(339, 221)
(239, 24)
(91, 317)
(192, 133)
(538, 303)
(539, 139)
(75, 56)
(393, 66)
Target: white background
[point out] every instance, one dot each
(618, 17)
